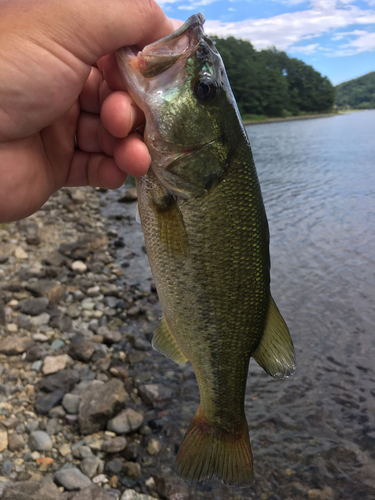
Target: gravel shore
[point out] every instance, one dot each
(81, 411)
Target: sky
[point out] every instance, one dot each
(336, 37)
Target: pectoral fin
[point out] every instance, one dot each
(166, 344)
(275, 353)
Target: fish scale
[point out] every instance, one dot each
(207, 240)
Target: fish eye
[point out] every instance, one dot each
(206, 88)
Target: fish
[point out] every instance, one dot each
(207, 240)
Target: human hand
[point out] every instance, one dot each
(52, 90)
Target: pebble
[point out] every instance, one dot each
(91, 466)
(40, 441)
(125, 422)
(71, 479)
(154, 447)
(79, 267)
(15, 442)
(34, 307)
(70, 403)
(53, 364)
(14, 345)
(20, 253)
(115, 445)
(133, 495)
(41, 319)
(155, 395)
(3, 440)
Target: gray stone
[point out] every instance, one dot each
(57, 412)
(47, 401)
(71, 479)
(64, 380)
(114, 445)
(35, 353)
(41, 319)
(55, 259)
(15, 442)
(171, 488)
(53, 427)
(82, 350)
(114, 466)
(155, 395)
(70, 403)
(81, 451)
(7, 467)
(133, 495)
(91, 466)
(34, 307)
(125, 422)
(40, 441)
(92, 493)
(14, 345)
(32, 426)
(51, 289)
(99, 402)
(57, 344)
(31, 490)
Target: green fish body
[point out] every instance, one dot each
(207, 240)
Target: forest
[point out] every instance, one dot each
(270, 83)
(358, 93)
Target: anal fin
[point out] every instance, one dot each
(275, 353)
(166, 344)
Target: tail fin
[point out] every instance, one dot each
(206, 452)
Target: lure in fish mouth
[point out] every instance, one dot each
(207, 240)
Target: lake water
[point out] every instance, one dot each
(313, 435)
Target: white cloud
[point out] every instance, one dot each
(306, 49)
(286, 30)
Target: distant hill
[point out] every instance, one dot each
(358, 93)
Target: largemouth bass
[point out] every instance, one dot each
(207, 240)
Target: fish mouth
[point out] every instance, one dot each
(157, 57)
(142, 66)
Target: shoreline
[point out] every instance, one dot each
(291, 118)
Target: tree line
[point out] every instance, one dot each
(269, 82)
(358, 93)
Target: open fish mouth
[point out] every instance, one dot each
(157, 57)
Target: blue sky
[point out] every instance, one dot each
(336, 37)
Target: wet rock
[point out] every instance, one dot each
(92, 493)
(15, 442)
(154, 447)
(125, 422)
(71, 479)
(62, 322)
(132, 470)
(45, 402)
(114, 466)
(81, 350)
(40, 441)
(155, 395)
(14, 345)
(53, 364)
(51, 289)
(34, 307)
(64, 380)
(115, 445)
(99, 402)
(131, 452)
(171, 488)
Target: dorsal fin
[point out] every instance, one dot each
(166, 344)
(275, 353)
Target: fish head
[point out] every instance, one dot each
(180, 84)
